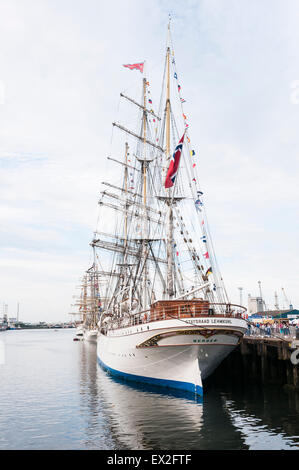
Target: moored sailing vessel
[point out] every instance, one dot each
(166, 317)
(89, 306)
(93, 304)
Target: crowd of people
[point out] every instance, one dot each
(271, 329)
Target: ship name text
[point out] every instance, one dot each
(217, 321)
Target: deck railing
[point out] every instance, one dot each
(180, 311)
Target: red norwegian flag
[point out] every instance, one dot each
(135, 66)
(174, 164)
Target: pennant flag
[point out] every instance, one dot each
(194, 165)
(174, 164)
(209, 271)
(179, 87)
(150, 101)
(192, 153)
(175, 75)
(197, 205)
(204, 239)
(184, 116)
(138, 66)
(206, 255)
(183, 101)
(188, 139)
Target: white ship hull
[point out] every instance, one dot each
(170, 353)
(90, 335)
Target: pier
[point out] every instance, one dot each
(267, 359)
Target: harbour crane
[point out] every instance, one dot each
(261, 295)
(286, 299)
(276, 305)
(241, 299)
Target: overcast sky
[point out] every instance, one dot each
(60, 78)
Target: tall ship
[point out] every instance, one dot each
(89, 306)
(166, 318)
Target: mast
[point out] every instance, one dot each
(84, 299)
(144, 191)
(169, 247)
(168, 99)
(126, 194)
(94, 286)
(144, 142)
(125, 252)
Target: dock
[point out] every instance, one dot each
(265, 359)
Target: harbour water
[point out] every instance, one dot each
(54, 395)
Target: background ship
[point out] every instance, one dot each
(89, 305)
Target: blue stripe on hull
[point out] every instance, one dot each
(187, 386)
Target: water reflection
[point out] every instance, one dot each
(143, 417)
(97, 433)
(257, 434)
(54, 395)
(266, 415)
(146, 417)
